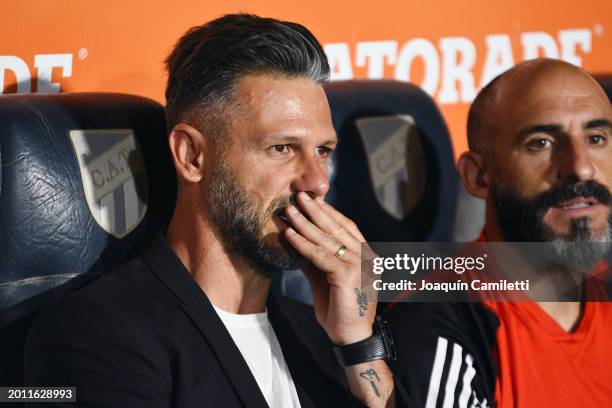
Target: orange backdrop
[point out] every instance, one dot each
(449, 47)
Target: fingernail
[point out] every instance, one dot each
(306, 197)
(290, 230)
(293, 210)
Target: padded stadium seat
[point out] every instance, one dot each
(393, 172)
(606, 82)
(85, 181)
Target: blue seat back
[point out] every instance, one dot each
(85, 181)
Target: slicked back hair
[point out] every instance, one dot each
(209, 60)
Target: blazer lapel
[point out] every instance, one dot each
(194, 302)
(228, 355)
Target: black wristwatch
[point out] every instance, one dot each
(379, 346)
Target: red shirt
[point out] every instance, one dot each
(541, 365)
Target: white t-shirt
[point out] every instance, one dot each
(257, 342)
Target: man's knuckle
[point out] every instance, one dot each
(340, 230)
(319, 252)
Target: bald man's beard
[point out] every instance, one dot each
(240, 224)
(522, 220)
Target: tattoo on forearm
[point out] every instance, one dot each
(370, 375)
(362, 301)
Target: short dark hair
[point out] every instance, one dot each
(210, 59)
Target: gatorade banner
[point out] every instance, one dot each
(449, 48)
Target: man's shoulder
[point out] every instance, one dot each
(430, 336)
(422, 330)
(462, 320)
(127, 295)
(132, 285)
(113, 329)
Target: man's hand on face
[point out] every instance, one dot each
(332, 244)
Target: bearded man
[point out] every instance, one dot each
(192, 323)
(540, 140)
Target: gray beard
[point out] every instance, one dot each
(240, 223)
(521, 220)
(583, 253)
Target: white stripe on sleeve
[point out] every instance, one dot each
(453, 376)
(436, 373)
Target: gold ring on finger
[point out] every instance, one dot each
(340, 252)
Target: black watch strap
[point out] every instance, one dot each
(379, 346)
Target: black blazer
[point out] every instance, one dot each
(147, 336)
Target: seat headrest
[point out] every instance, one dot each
(85, 181)
(393, 172)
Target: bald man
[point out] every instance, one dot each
(540, 140)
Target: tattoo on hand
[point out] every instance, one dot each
(362, 301)
(370, 375)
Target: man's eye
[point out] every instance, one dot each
(323, 151)
(538, 144)
(596, 139)
(281, 148)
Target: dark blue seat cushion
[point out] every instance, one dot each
(85, 181)
(426, 192)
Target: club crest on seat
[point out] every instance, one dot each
(396, 161)
(114, 178)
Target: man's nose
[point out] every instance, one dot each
(576, 162)
(312, 177)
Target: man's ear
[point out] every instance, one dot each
(474, 174)
(187, 147)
